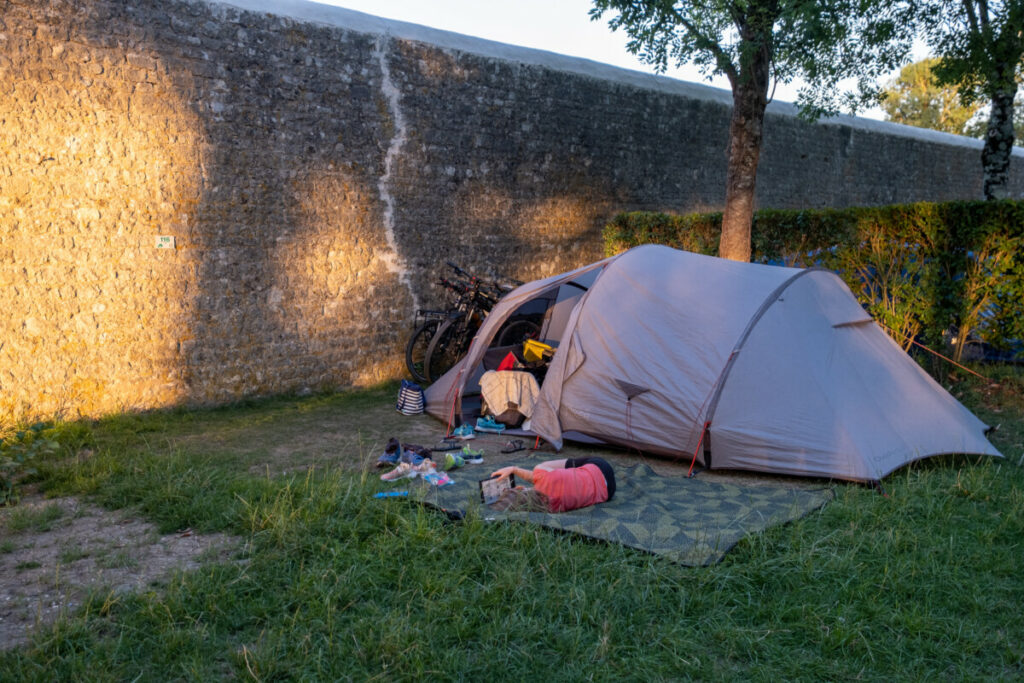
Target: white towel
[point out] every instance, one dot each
(499, 389)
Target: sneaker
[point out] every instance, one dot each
(488, 424)
(438, 479)
(414, 459)
(426, 467)
(403, 470)
(464, 432)
(453, 461)
(392, 453)
(447, 445)
(474, 456)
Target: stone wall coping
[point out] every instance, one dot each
(359, 22)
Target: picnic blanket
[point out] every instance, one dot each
(693, 522)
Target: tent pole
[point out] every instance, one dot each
(697, 449)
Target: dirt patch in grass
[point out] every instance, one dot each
(54, 553)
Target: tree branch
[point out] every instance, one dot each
(721, 56)
(972, 18)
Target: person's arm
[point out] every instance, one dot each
(525, 475)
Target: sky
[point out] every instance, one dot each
(561, 26)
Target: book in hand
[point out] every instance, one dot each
(491, 489)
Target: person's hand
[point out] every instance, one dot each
(504, 472)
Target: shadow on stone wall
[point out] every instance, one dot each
(260, 146)
(292, 284)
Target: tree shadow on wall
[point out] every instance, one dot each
(291, 288)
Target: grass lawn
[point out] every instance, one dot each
(328, 583)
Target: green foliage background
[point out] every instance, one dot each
(916, 98)
(921, 269)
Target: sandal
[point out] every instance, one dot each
(513, 445)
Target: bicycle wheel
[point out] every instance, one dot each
(517, 332)
(446, 347)
(416, 349)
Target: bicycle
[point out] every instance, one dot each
(452, 338)
(419, 342)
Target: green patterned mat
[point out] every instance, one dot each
(690, 521)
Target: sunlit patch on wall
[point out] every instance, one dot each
(331, 280)
(92, 173)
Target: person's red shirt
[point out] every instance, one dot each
(573, 488)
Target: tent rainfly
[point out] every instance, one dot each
(749, 366)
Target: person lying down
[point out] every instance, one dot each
(558, 485)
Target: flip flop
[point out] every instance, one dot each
(513, 445)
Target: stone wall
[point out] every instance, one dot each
(315, 175)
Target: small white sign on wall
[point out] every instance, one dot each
(165, 242)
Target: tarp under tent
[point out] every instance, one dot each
(747, 366)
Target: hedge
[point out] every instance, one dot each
(938, 272)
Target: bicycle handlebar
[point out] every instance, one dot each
(459, 287)
(459, 271)
(497, 288)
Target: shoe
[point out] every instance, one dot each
(453, 461)
(464, 432)
(424, 468)
(514, 445)
(438, 479)
(448, 445)
(392, 453)
(414, 459)
(488, 424)
(403, 470)
(474, 456)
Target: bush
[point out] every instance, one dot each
(16, 455)
(942, 272)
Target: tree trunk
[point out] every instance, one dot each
(745, 133)
(995, 156)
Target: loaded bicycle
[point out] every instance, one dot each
(443, 337)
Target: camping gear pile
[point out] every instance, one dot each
(733, 365)
(409, 460)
